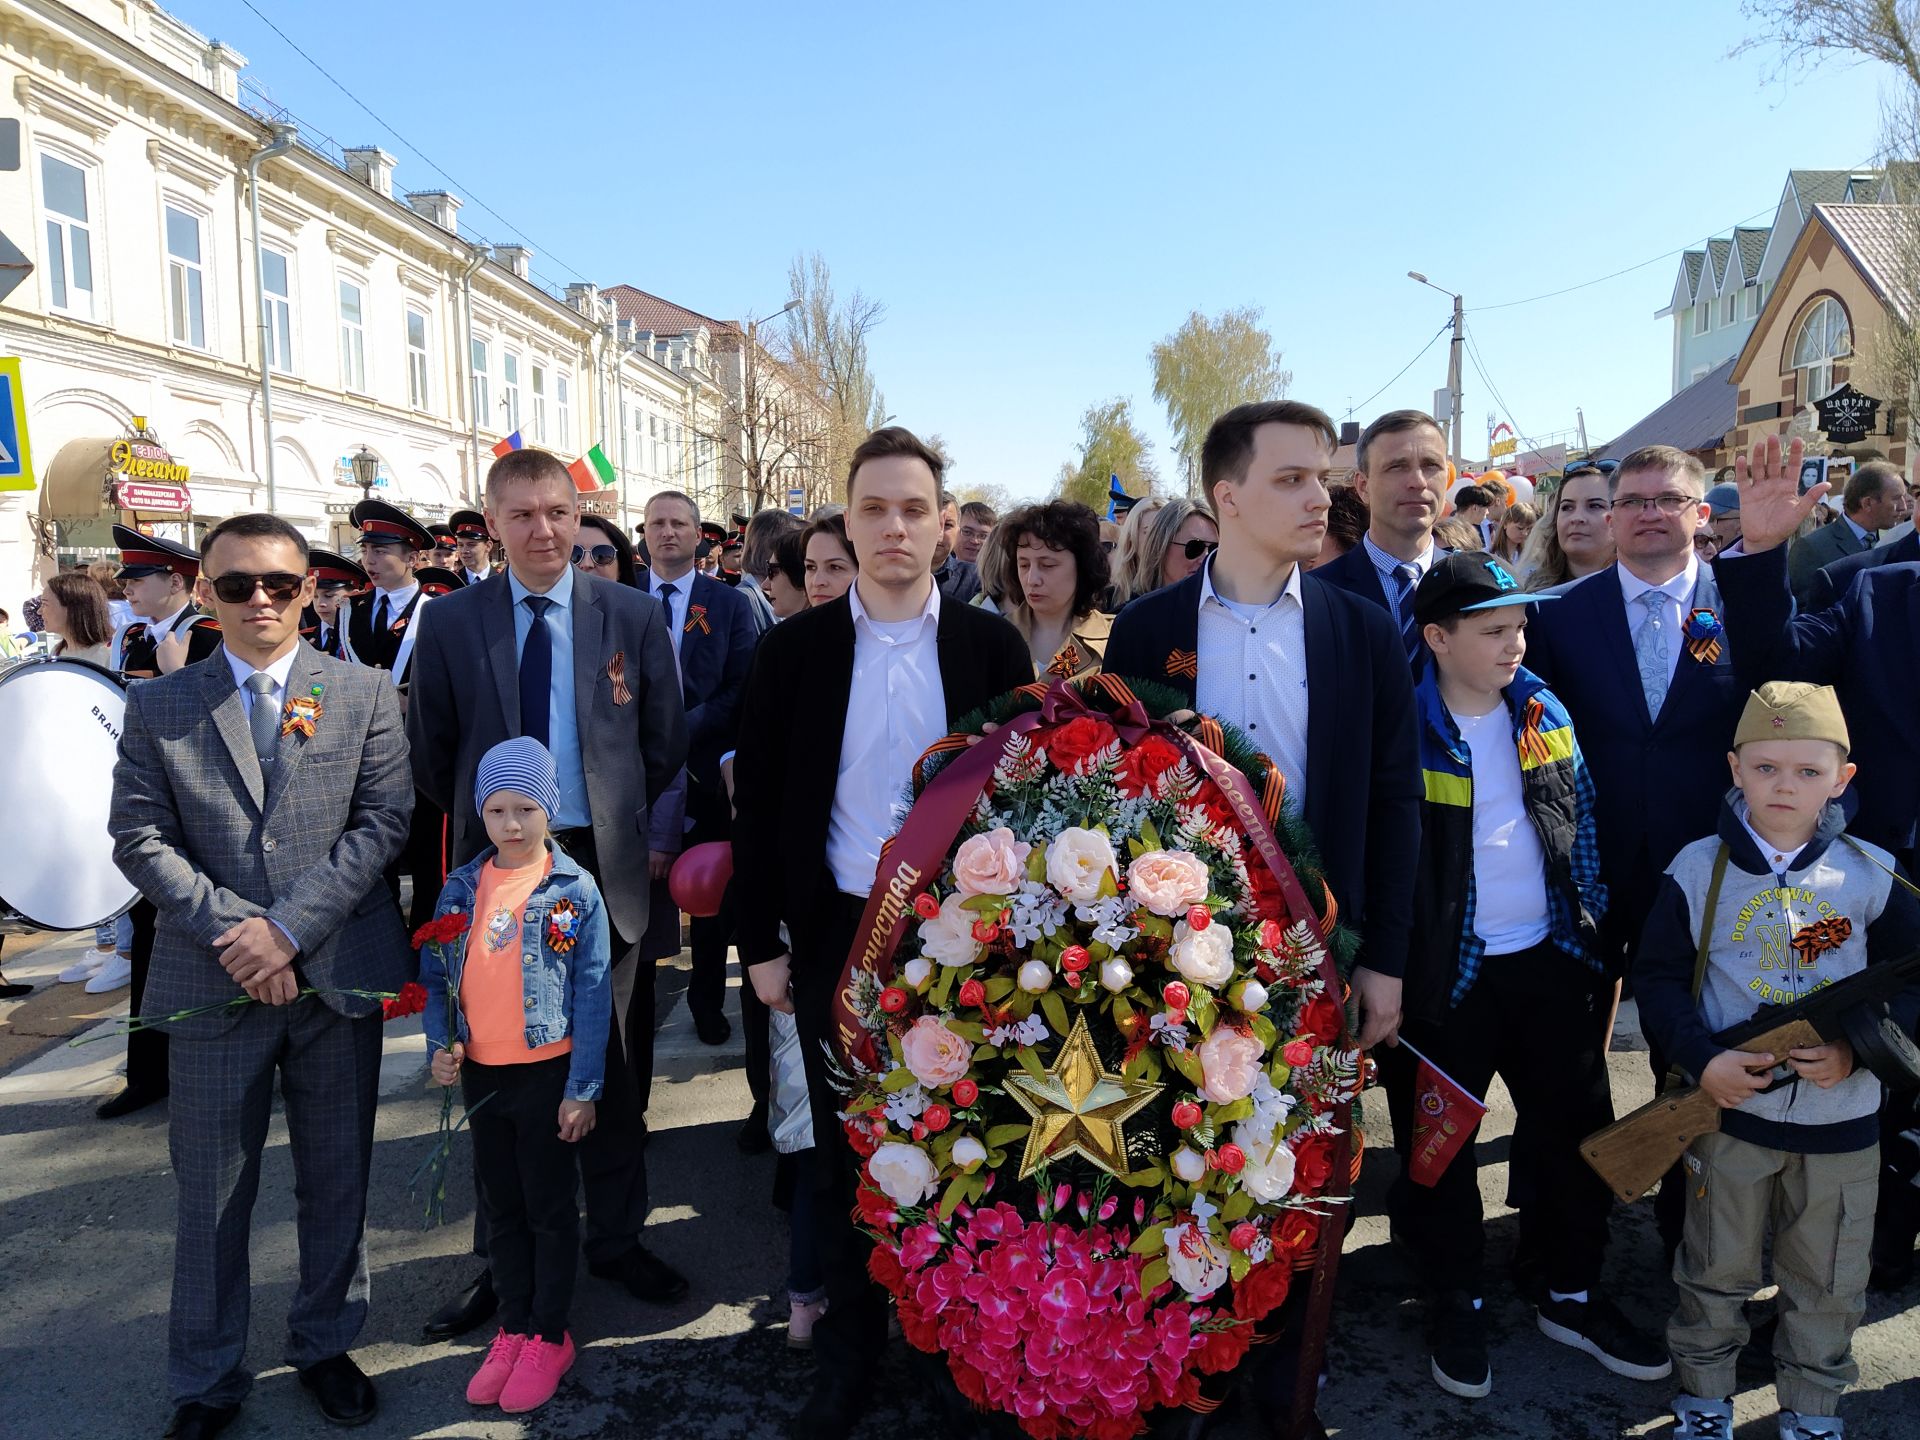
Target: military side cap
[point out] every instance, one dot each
(1467, 580)
(382, 524)
(1793, 710)
(468, 525)
(144, 555)
(433, 580)
(335, 572)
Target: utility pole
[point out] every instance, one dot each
(1457, 419)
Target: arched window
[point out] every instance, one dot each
(1824, 337)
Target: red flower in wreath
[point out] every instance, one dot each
(1261, 1292)
(1322, 1018)
(1074, 742)
(1141, 767)
(1312, 1164)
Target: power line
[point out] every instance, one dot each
(1506, 410)
(1403, 370)
(417, 151)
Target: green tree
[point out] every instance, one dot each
(1110, 444)
(1207, 367)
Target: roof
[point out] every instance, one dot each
(1882, 243)
(1822, 187)
(1717, 252)
(662, 317)
(1693, 260)
(1698, 418)
(1752, 241)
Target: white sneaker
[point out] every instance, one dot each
(112, 975)
(1699, 1418)
(86, 967)
(1795, 1426)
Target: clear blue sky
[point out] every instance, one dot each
(1039, 193)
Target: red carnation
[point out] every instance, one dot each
(1322, 1019)
(1229, 1158)
(925, 906)
(1177, 996)
(1075, 957)
(1074, 742)
(1221, 1350)
(893, 999)
(973, 993)
(1187, 1114)
(1199, 917)
(441, 930)
(1142, 766)
(1243, 1235)
(965, 1092)
(411, 1000)
(936, 1117)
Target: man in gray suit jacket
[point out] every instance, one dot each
(584, 666)
(1875, 499)
(258, 796)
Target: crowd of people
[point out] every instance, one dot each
(1545, 755)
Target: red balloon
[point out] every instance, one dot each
(699, 877)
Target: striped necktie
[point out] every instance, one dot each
(1405, 577)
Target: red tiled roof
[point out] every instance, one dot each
(662, 317)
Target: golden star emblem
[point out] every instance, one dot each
(1079, 1108)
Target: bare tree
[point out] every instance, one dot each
(1810, 31)
(826, 346)
(766, 426)
(1207, 367)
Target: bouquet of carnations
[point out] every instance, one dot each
(1102, 1098)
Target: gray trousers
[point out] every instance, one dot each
(1819, 1209)
(329, 1070)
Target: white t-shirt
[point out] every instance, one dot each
(1509, 867)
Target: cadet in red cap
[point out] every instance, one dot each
(475, 545)
(435, 581)
(334, 579)
(444, 545)
(157, 576)
(378, 628)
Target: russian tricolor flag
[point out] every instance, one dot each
(508, 446)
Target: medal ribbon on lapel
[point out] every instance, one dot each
(1532, 744)
(563, 927)
(1703, 629)
(1184, 662)
(617, 673)
(696, 615)
(301, 713)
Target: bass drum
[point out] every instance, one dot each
(60, 726)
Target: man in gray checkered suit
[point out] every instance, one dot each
(258, 796)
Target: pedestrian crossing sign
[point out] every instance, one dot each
(16, 461)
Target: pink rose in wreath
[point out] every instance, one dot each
(991, 864)
(1167, 882)
(1230, 1062)
(936, 1055)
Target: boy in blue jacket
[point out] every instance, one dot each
(1780, 902)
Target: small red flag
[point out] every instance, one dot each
(1445, 1117)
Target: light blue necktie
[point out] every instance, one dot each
(1652, 648)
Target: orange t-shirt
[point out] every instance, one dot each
(492, 990)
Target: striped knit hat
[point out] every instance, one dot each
(522, 765)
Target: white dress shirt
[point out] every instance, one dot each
(896, 708)
(278, 671)
(1678, 599)
(1253, 673)
(397, 601)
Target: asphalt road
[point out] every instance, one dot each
(86, 1225)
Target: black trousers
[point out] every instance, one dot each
(147, 1048)
(1533, 1018)
(526, 1190)
(613, 1166)
(854, 1329)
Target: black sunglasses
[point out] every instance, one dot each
(236, 587)
(602, 554)
(1197, 549)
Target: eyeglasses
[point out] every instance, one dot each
(602, 554)
(1668, 504)
(1199, 549)
(236, 587)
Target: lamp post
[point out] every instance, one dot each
(280, 144)
(366, 469)
(1455, 420)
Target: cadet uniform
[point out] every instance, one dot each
(333, 575)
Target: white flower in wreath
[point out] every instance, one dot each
(904, 1106)
(904, 1173)
(1194, 1262)
(1268, 1173)
(1030, 1031)
(1167, 1033)
(1204, 956)
(1077, 861)
(948, 936)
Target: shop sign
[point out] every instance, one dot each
(1847, 415)
(144, 460)
(153, 499)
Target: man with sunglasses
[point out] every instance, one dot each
(257, 798)
(471, 541)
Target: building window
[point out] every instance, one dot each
(480, 363)
(1823, 338)
(1703, 317)
(539, 403)
(276, 309)
(562, 416)
(63, 193)
(353, 339)
(419, 392)
(1753, 300)
(1728, 310)
(510, 389)
(186, 280)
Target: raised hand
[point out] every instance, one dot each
(1771, 505)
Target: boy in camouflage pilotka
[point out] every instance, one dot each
(1779, 903)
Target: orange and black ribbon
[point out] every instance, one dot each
(1184, 664)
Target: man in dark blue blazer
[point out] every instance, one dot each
(714, 632)
(1401, 472)
(1830, 582)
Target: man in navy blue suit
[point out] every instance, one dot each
(714, 632)
(1318, 679)
(1401, 471)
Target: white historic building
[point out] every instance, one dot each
(383, 327)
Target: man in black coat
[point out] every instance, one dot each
(860, 687)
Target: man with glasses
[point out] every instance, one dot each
(471, 541)
(976, 523)
(1401, 471)
(958, 579)
(1638, 654)
(260, 839)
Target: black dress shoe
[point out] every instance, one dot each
(127, 1101)
(345, 1394)
(468, 1310)
(713, 1029)
(194, 1421)
(831, 1411)
(645, 1274)
(753, 1138)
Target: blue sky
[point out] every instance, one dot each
(1040, 192)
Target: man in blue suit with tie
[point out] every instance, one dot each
(1401, 471)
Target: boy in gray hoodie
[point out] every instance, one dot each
(1780, 902)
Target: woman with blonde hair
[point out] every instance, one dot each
(1510, 537)
(1133, 533)
(1174, 543)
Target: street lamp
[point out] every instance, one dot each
(1453, 364)
(366, 469)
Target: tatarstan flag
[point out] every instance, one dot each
(592, 471)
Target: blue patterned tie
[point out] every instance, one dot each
(1405, 577)
(1651, 647)
(536, 672)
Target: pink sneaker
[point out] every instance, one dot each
(485, 1387)
(536, 1375)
